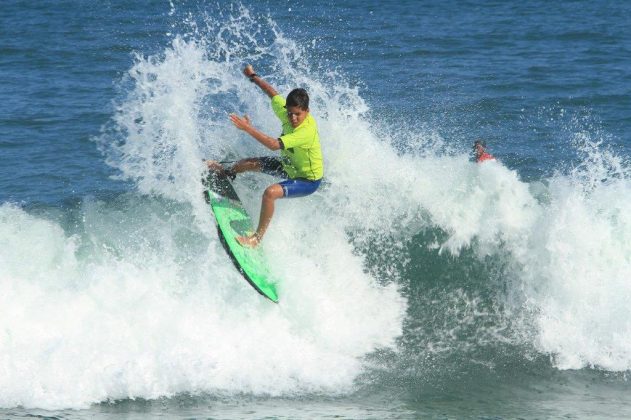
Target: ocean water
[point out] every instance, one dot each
(415, 283)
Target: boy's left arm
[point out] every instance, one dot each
(249, 72)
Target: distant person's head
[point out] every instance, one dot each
(297, 106)
(479, 147)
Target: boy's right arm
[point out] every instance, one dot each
(258, 80)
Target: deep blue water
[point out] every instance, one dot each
(502, 290)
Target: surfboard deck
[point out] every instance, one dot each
(232, 221)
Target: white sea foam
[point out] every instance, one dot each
(580, 265)
(160, 310)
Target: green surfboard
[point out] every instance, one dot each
(232, 221)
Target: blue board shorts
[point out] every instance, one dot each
(292, 188)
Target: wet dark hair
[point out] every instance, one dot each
(298, 97)
(480, 142)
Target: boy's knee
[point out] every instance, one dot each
(273, 192)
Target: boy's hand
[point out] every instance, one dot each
(248, 70)
(240, 123)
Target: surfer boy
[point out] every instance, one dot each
(300, 162)
(479, 148)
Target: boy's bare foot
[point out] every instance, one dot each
(251, 241)
(214, 166)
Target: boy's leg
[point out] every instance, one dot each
(246, 165)
(289, 188)
(271, 194)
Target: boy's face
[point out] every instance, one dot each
(296, 115)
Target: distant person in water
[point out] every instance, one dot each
(481, 155)
(300, 161)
